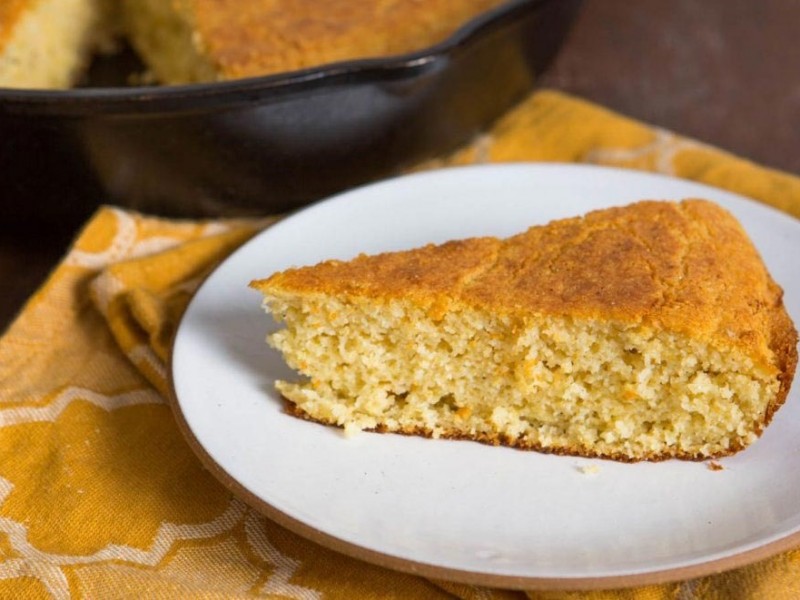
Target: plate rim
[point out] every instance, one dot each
(424, 569)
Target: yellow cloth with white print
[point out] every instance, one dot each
(100, 497)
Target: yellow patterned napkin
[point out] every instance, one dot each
(100, 497)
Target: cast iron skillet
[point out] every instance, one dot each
(267, 144)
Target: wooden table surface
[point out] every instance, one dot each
(726, 72)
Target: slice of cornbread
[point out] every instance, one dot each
(186, 41)
(644, 332)
(47, 43)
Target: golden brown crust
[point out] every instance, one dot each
(258, 37)
(684, 267)
(783, 343)
(235, 39)
(10, 13)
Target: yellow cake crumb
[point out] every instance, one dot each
(48, 43)
(351, 430)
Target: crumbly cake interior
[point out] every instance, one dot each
(47, 43)
(595, 388)
(164, 36)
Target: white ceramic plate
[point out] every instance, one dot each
(462, 510)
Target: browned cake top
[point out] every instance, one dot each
(257, 37)
(10, 12)
(686, 267)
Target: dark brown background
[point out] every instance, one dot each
(724, 71)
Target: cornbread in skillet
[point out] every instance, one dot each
(649, 331)
(185, 41)
(47, 43)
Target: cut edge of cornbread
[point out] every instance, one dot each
(529, 383)
(163, 34)
(48, 43)
(608, 383)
